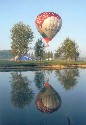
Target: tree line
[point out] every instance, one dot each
(6, 54)
(22, 37)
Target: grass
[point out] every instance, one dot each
(4, 63)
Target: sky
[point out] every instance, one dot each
(72, 12)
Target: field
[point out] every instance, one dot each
(7, 63)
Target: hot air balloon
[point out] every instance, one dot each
(48, 25)
(48, 100)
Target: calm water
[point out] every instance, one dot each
(43, 97)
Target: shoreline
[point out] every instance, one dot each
(53, 67)
(62, 66)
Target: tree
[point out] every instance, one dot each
(39, 49)
(68, 50)
(21, 36)
(6, 54)
(58, 53)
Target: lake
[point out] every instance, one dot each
(43, 97)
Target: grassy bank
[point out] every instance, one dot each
(7, 63)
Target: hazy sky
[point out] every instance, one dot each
(73, 13)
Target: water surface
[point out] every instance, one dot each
(25, 100)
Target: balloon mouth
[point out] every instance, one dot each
(47, 40)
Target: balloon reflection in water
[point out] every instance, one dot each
(48, 100)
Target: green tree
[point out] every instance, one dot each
(68, 50)
(58, 53)
(6, 54)
(21, 36)
(39, 49)
(48, 55)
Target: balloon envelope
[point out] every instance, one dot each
(48, 100)
(48, 25)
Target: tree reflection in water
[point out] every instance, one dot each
(48, 100)
(39, 79)
(21, 94)
(67, 77)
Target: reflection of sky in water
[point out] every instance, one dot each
(72, 110)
